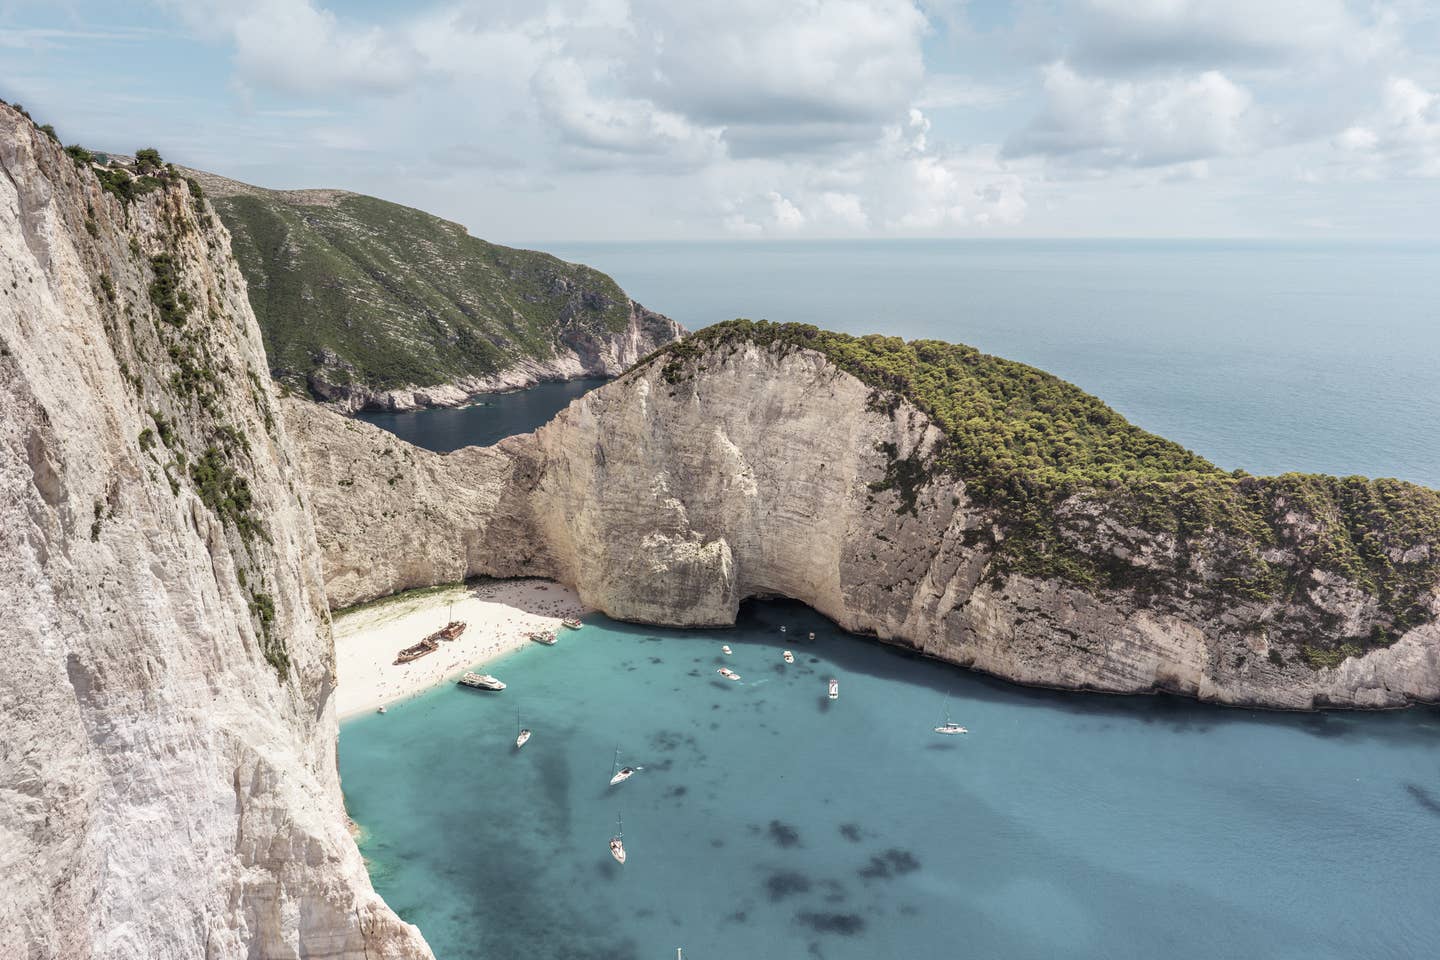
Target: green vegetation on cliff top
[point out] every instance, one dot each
(1049, 457)
(358, 291)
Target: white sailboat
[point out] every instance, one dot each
(950, 727)
(619, 774)
(617, 842)
(834, 689)
(522, 734)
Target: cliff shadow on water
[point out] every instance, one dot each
(765, 615)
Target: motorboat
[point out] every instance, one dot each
(788, 656)
(725, 649)
(481, 681)
(834, 689)
(546, 637)
(574, 623)
(728, 674)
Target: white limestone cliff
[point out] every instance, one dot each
(671, 502)
(168, 786)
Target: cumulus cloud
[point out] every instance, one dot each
(1120, 35)
(1099, 123)
(1401, 137)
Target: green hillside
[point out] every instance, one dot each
(352, 290)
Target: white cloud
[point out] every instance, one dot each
(1100, 123)
(1401, 137)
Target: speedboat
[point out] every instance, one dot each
(725, 649)
(481, 681)
(789, 657)
(812, 636)
(522, 738)
(834, 689)
(728, 674)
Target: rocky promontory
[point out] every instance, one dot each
(365, 303)
(978, 511)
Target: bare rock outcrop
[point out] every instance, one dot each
(168, 786)
(764, 472)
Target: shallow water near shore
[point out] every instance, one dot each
(767, 821)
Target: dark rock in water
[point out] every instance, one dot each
(786, 883)
(850, 831)
(844, 924)
(783, 834)
(892, 862)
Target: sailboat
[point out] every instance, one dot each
(620, 774)
(617, 842)
(950, 727)
(522, 734)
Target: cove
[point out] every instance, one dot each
(488, 419)
(768, 821)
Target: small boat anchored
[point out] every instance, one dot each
(619, 774)
(617, 842)
(481, 681)
(728, 674)
(573, 623)
(788, 656)
(546, 637)
(725, 649)
(834, 689)
(950, 727)
(522, 734)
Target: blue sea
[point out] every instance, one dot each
(768, 822)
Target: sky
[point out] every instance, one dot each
(644, 120)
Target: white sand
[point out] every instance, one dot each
(497, 614)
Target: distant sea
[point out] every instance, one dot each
(1263, 355)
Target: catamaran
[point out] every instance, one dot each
(522, 734)
(617, 842)
(950, 727)
(619, 774)
(481, 681)
(789, 657)
(834, 689)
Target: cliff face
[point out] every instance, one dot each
(668, 500)
(168, 786)
(366, 303)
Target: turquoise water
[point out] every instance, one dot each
(768, 822)
(489, 419)
(1261, 355)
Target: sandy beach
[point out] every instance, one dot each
(497, 614)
